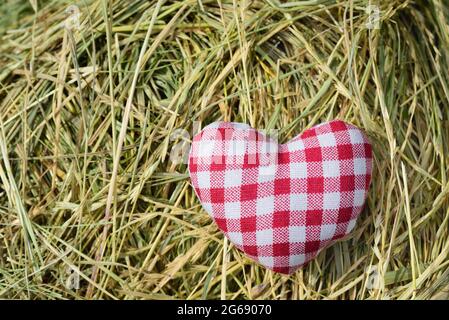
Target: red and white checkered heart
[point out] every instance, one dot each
(282, 204)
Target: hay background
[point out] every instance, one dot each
(85, 181)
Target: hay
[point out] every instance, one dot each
(87, 114)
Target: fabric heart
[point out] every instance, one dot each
(282, 203)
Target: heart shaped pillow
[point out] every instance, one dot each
(282, 203)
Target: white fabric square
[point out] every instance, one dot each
(203, 179)
(233, 178)
(331, 201)
(236, 238)
(297, 259)
(267, 173)
(327, 140)
(265, 206)
(232, 210)
(266, 261)
(351, 225)
(297, 234)
(296, 145)
(264, 237)
(208, 208)
(359, 197)
(298, 202)
(360, 166)
(206, 148)
(327, 231)
(298, 170)
(356, 136)
(331, 169)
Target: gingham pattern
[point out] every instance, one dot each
(282, 204)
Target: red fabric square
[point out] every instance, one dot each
(315, 185)
(217, 195)
(338, 126)
(314, 217)
(248, 192)
(368, 150)
(344, 215)
(284, 158)
(221, 223)
(312, 246)
(345, 152)
(281, 219)
(281, 186)
(281, 249)
(248, 224)
(313, 155)
(347, 183)
(250, 250)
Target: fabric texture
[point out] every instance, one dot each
(282, 203)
